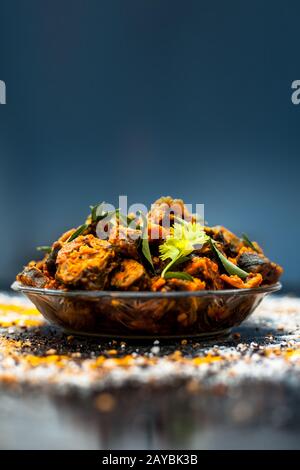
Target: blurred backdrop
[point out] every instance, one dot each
(149, 98)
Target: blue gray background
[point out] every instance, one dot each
(145, 98)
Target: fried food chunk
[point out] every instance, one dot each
(205, 269)
(229, 241)
(125, 241)
(165, 285)
(50, 259)
(253, 280)
(85, 262)
(157, 233)
(165, 208)
(111, 250)
(33, 277)
(130, 276)
(157, 283)
(254, 262)
(179, 284)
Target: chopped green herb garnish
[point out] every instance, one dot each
(78, 232)
(248, 242)
(145, 242)
(96, 211)
(178, 275)
(182, 241)
(231, 268)
(45, 248)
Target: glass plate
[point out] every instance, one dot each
(147, 314)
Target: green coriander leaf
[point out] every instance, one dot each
(182, 241)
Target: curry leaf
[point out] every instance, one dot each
(96, 211)
(124, 219)
(78, 232)
(145, 242)
(231, 268)
(248, 242)
(178, 275)
(45, 248)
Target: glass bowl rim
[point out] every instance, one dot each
(17, 286)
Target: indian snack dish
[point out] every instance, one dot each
(161, 273)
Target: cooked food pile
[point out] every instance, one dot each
(167, 249)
